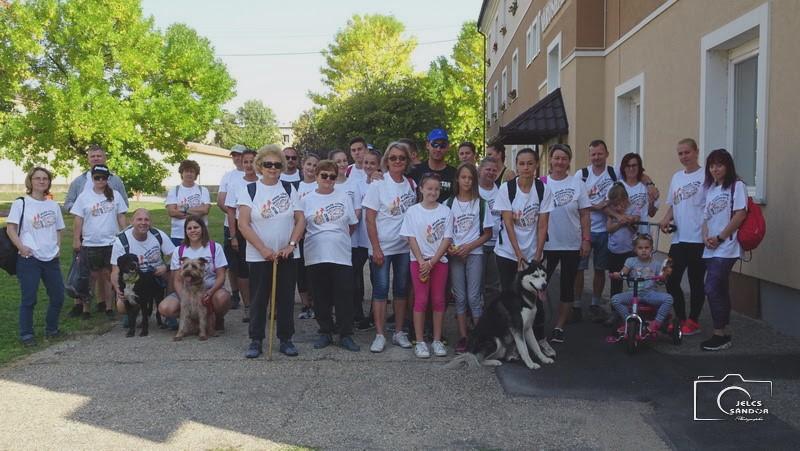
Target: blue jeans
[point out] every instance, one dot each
(29, 272)
(466, 279)
(663, 301)
(380, 277)
(718, 272)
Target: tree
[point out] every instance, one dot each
(459, 86)
(253, 125)
(307, 136)
(369, 49)
(96, 71)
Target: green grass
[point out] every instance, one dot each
(10, 346)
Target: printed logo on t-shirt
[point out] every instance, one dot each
(277, 205)
(685, 192)
(490, 204)
(401, 204)
(435, 231)
(191, 201)
(638, 203)
(151, 257)
(101, 208)
(46, 218)
(563, 196)
(463, 223)
(329, 213)
(599, 191)
(643, 272)
(527, 216)
(718, 204)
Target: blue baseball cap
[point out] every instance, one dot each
(438, 134)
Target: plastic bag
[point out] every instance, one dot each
(77, 283)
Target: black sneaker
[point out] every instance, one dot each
(716, 343)
(77, 311)
(364, 324)
(557, 336)
(576, 315)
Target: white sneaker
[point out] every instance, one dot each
(421, 350)
(438, 349)
(378, 343)
(401, 339)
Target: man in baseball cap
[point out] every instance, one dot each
(234, 174)
(438, 143)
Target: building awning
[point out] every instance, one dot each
(539, 123)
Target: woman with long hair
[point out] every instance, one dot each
(371, 166)
(725, 210)
(632, 171)
(307, 184)
(34, 225)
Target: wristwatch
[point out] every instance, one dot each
(293, 243)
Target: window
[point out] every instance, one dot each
(488, 106)
(532, 42)
(514, 75)
(504, 88)
(286, 139)
(733, 95)
(554, 64)
(495, 97)
(629, 117)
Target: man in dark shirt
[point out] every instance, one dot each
(437, 144)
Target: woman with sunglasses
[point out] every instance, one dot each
(272, 227)
(34, 225)
(569, 236)
(307, 185)
(330, 219)
(641, 203)
(385, 206)
(99, 216)
(371, 166)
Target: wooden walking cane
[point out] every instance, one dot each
(272, 303)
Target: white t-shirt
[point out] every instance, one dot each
(466, 222)
(639, 203)
(100, 225)
(597, 187)
(148, 251)
(304, 188)
(525, 210)
(353, 189)
(356, 173)
(238, 187)
(225, 183)
(184, 197)
(687, 197)
(271, 216)
(489, 195)
(717, 215)
(428, 227)
(291, 177)
(38, 229)
(564, 228)
(391, 200)
(328, 221)
(204, 252)
(621, 241)
(361, 238)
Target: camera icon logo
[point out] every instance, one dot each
(730, 398)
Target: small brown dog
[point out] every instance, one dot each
(196, 316)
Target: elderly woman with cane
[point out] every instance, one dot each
(272, 228)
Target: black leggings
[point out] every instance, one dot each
(569, 269)
(508, 276)
(359, 258)
(687, 255)
(615, 264)
(332, 288)
(261, 291)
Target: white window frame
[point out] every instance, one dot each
(533, 41)
(504, 86)
(718, 51)
(488, 105)
(514, 75)
(496, 103)
(554, 64)
(625, 120)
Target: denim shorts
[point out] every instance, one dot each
(380, 277)
(599, 251)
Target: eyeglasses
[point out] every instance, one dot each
(100, 177)
(272, 164)
(400, 158)
(327, 176)
(440, 144)
(291, 158)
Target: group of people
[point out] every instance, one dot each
(430, 232)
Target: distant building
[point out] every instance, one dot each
(641, 75)
(287, 134)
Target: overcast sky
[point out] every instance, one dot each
(237, 27)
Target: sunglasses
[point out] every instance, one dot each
(291, 158)
(100, 177)
(440, 145)
(272, 164)
(327, 176)
(394, 158)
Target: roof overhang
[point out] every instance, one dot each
(484, 4)
(545, 120)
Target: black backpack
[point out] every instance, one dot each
(481, 209)
(512, 193)
(123, 239)
(9, 252)
(287, 186)
(610, 169)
